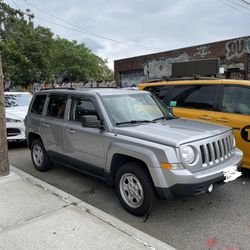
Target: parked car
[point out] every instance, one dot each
(16, 107)
(221, 101)
(130, 139)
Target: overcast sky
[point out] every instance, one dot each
(140, 27)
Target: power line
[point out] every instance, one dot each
(86, 32)
(231, 5)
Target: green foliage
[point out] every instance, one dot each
(32, 54)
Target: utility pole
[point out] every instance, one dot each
(4, 161)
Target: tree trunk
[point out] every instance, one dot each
(4, 161)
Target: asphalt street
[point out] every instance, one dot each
(220, 220)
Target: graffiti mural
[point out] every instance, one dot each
(202, 51)
(131, 78)
(34, 87)
(163, 67)
(236, 48)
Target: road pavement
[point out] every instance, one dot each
(220, 220)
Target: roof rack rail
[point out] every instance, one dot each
(184, 78)
(68, 88)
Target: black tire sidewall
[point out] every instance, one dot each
(146, 183)
(46, 164)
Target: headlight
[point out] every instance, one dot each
(188, 154)
(12, 120)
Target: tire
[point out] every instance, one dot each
(39, 156)
(135, 189)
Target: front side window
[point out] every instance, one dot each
(56, 106)
(194, 96)
(81, 107)
(236, 100)
(135, 108)
(37, 106)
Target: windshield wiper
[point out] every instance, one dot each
(133, 122)
(162, 118)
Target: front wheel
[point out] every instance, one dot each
(135, 189)
(39, 156)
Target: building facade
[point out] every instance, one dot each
(233, 55)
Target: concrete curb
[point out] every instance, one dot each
(147, 240)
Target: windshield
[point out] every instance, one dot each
(132, 108)
(16, 100)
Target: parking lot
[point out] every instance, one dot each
(220, 220)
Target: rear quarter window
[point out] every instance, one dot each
(236, 100)
(38, 104)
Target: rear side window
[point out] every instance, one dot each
(56, 107)
(194, 96)
(236, 100)
(38, 104)
(81, 107)
(160, 91)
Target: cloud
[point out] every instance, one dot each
(161, 24)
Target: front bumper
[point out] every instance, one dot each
(185, 183)
(15, 131)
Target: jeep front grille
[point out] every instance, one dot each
(216, 151)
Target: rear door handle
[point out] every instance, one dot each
(207, 118)
(222, 119)
(71, 131)
(46, 124)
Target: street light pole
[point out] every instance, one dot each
(4, 161)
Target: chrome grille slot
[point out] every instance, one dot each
(203, 156)
(216, 151)
(209, 153)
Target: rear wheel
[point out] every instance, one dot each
(135, 188)
(39, 156)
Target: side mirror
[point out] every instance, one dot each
(91, 121)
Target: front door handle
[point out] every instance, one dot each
(207, 118)
(45, 124)
(71, 131)
(222, 119)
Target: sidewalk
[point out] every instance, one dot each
(36, 215)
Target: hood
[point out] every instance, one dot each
(18, 113)
(173, 132)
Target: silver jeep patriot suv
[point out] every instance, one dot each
(130, 139)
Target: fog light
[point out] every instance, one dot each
(210, 188)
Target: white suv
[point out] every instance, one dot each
(16, 106)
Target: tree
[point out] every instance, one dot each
(76, 62)
(26, 50)
(4, 162)
(32, 54)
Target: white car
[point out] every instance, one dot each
(16, 107)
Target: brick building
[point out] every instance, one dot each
(233, 55)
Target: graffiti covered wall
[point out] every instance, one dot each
(131, 78)
(162, 67)
(233, 61)
(236, 48)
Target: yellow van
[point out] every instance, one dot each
(222, 101)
